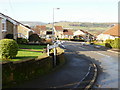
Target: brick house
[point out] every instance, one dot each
(58, 31)
(40, 30)
(7, 26)
(11, 26)
(0, 28)
(112, 33)
(67, 33)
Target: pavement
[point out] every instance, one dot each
(106, 49)
(77, 72)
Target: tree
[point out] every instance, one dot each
(34, 38)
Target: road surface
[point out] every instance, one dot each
(107, 63)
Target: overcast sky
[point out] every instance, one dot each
(70, 10)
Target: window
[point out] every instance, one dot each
(3, 25)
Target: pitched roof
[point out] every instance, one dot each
(58, 28)
(11, 19)
(68, 32)
(41, 27)
(83, 32)
(114, 31)
(36, 30)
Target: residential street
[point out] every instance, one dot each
(77, 66)
(107, 63)
(70, 75)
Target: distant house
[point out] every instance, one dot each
(40, 30)
(112, 33)
(83, 35)
(58, 31)
(67, 33)
(11, 26)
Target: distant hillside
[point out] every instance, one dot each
(31, 23)
(93, 28)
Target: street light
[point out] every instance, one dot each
(53, 34)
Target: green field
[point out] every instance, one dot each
(93, 28)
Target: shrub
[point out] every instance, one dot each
(34, 38)
(9, 36)
(116, 43)
(8, 48)
(109, 43)
(22, 41)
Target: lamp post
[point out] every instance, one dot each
(53, 33)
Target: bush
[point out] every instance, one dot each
(116, 43)
(8, 48)
(109, 43)
(34, 38)
(22, 41)
(9, 36)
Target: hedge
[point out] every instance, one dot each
(18, 72)
(110, 43)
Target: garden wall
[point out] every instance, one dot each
(19, 71)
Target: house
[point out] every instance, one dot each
(0, 28)
(58, 31)
(112, 33)
(13, 27)
(7, 26)
(67, 33)
(24, 31)
(41, 30)
(82, 34)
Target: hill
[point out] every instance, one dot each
(32, 23)
(93, 28)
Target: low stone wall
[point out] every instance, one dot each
(16, 72)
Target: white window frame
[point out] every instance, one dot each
(4, 28)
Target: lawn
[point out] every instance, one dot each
(102, 44)
(33, 47)
(28, 51)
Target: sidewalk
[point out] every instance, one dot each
(106, 49)
(76, 73)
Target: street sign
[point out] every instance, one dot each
(48, 51)
(53, 46)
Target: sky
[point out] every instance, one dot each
(70, 10)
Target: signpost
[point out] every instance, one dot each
(51, 47)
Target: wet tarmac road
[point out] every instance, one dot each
(107, 62)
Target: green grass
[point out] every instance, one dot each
(24, 53)
(34, 47)
(102, 44)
